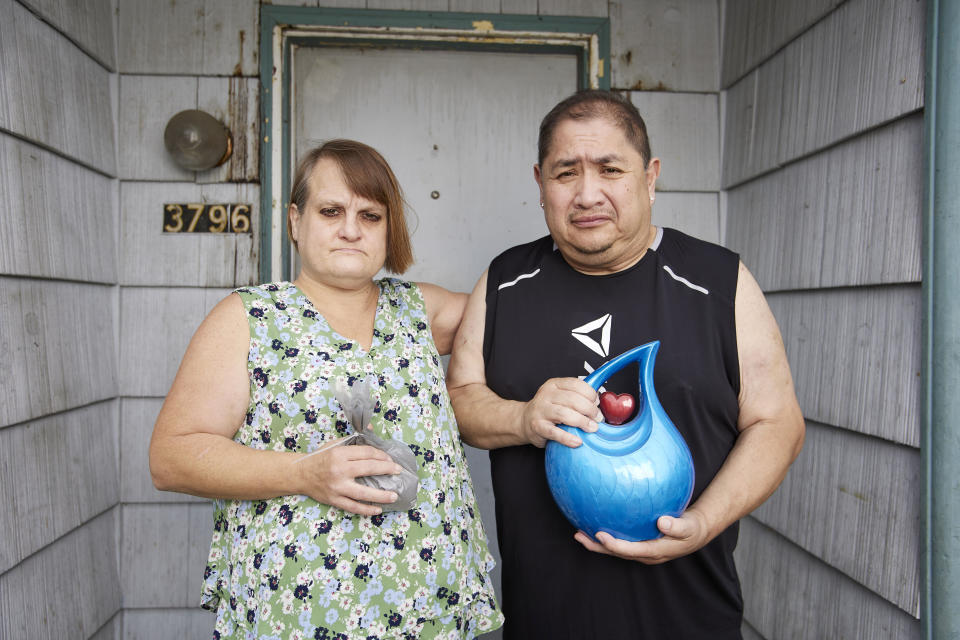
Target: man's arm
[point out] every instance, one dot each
(488, 421)
(771, 435)
(445, 312)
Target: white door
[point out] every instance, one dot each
(460, 131)
(459, 128)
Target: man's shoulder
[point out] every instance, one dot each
(710, 266)
(684, 250)
(519, 259)
(678, 243)
(521, 251)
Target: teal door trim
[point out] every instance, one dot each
(940, 402)
(282, 28)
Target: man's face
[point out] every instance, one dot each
(596, 195)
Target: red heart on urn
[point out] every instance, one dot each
(616, 408)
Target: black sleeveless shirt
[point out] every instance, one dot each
(546, 320)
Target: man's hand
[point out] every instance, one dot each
(329, 476)
(566, 401)
(681, 536)
(486, 420)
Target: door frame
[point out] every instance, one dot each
(282, 28)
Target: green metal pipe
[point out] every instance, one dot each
(940, 423)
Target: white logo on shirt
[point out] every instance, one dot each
(603, 323)
(601, 328)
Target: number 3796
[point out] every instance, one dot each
(206, 218)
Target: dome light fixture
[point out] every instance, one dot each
(197, 141)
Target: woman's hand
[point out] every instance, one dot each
(329, 476)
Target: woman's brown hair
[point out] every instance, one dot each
(369, 176)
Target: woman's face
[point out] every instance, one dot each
(341, 237)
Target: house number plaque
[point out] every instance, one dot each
(198, 217)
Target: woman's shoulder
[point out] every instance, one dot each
(403, 296)
(399, 287)
(267, 291)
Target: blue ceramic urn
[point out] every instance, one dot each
(622, 478)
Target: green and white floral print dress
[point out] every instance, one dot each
(291, 567)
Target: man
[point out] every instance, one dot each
(548, 312)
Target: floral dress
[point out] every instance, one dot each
(290, 567)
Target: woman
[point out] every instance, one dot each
(300, 549)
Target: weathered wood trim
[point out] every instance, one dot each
(858, 68)
(87, 24)
(789, 593)
(855, 357)
(684, 132)
(150, 257)
(146, 105)
(188, 37)
(235, 102)
(58, 218)
(59, 338)
(70, 589)
(665, 46)
(164, 624)
(847, 216)
(696, 214)
(753, 30)
(156, 326)
(851, 501)
(47, 488)
(113, 629)
(749, 633)
(170, 544)
(52, 96)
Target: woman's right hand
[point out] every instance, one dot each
(329, 476)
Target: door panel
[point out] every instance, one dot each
(459, 125)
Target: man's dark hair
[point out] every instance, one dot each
(594, 103)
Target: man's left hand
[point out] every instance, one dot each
(681, 536)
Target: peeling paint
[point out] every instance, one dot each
(243, 168)
(483, 32)
(238, 69)
(600, 67)
(639, 86)
(496, 39)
